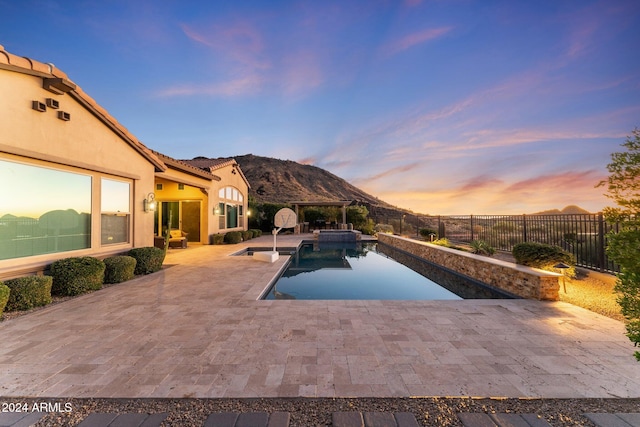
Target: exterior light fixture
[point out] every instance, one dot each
(216, 210)
(149, 203)
(562, 267)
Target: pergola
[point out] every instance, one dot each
(338, 203)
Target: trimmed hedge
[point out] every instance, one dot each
(233, 237)
(148, 259)
(256, 232)
(77, 275)
(543, 256)
(217, 239)
(247, 235)
(119, 268)
(28, 292)
(4, 296)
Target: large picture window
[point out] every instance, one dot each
(115, 203)
(231, 208)
(43, 210)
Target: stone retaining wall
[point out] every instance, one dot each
(520, 280)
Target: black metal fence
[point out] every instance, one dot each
(584, 235)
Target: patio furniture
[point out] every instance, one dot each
(178, 239)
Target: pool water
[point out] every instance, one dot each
(359, 271)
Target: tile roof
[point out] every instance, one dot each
(215, 164)
(184, 166)
(25, 65)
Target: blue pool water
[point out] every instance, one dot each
(362, 271)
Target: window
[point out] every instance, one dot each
(231, 208)
(115, 205)
(43, 210)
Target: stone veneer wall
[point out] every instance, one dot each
(520, 280)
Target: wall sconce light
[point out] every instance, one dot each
(149, 203)
(216, 210)
(562, 267)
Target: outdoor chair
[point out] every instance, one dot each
(178, 239)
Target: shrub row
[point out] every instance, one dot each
(233, 237)
(543, 256)
(75, 276)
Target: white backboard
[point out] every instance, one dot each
(285, 218)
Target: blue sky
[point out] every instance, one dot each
(442, 107)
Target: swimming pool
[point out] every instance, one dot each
(368, 271)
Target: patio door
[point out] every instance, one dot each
(184, 215)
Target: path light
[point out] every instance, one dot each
(562, 267)
(149, 203)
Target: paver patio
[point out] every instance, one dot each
(195, 329)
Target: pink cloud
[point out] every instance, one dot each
(243, 86)
(414, 39)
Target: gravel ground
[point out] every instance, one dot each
(306, 412)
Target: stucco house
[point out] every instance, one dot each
(76, 182)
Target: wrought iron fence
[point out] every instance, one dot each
(584, 235)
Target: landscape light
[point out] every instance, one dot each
(562, 267)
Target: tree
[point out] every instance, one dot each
(623, 246)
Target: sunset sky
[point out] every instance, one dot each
(442, 107)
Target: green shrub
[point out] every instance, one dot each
(543, 256)
(427, 232)
(247, 235)
(480, 247)
(148, 259)
(217, 239)
(256, 232)
(28, 292)
(119, 268)
(75, 276)
(4, 296)
(233, 237)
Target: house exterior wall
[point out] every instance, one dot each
(82, 145)
(229, 179)
(194, 189)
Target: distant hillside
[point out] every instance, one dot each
(280, 181)
(571, 209)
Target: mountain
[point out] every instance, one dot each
(281, 181)
(568, 210)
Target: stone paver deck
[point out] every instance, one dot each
(195, 329)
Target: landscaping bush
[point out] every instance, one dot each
(217, 239)
(543, 256)
(119, 268)
(247, 235)
(256, 232)
(4, 296)
(427, 232)
(442, 242)
(28, 292)
(480, 247)
(75, 276)
(148, 259)
(233, 237)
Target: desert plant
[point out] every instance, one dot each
(543, 256)
(233, 237)
(148, 259)
(75, 276)
(4, 296)
(28, 292)
(119, 268)
(383, 228)
(480, 247)
(442, 242)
